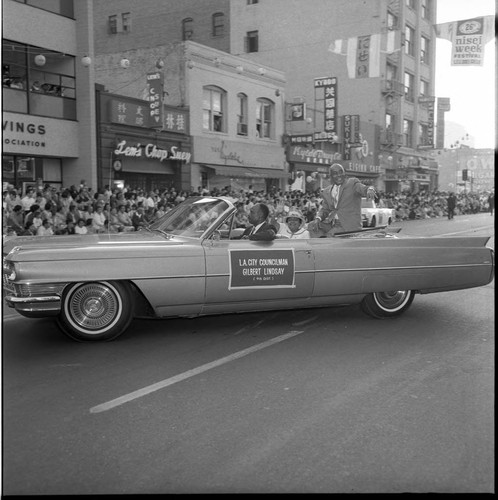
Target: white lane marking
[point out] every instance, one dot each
(190, 373)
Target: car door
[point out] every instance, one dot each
(244, 275)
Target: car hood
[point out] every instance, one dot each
(88, 246)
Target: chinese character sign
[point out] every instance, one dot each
(155, 97)
(128, 113)
(329, 86)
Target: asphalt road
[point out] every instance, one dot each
(323, 400)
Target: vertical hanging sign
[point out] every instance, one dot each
(329, 97)
(351, 134)
(155, 98)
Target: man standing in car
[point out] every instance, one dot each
(340, 210)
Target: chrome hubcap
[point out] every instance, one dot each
(94, 306)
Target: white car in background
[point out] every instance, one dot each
(373, 216)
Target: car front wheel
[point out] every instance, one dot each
(97, 310)
(387, 304)
(373, 223)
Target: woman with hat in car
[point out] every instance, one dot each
(294, 225)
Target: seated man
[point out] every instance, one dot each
(260, 229)
(294, 226)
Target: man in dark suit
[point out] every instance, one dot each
(260, 228)
(340, 210)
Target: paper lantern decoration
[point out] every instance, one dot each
(40, 60)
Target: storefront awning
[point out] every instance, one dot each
(249, 173)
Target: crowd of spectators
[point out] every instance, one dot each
(47, 210)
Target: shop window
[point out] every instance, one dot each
(23, 171)
(213, 109)
(264, 118)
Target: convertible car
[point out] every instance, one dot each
(193, 262)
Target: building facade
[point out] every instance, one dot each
(383, 122)
(234, 109)
(48, 103)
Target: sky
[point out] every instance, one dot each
(471, 89)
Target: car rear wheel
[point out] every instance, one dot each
(373, 222)
(387, 304)
(96, 310)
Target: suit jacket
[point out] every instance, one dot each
(348, 208)
(266, 232)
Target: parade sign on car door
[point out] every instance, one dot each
(262, 268)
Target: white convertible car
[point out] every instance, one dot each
(373, 216)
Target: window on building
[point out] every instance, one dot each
(252, 44)
(38, 81)
(424, 49)
(252, 2)
(425, 9)
(126, 20)
(409, 90)
(64, 8)
(424, 88)
(213, 109)
(391, 72)
(392, 21)
(264, 118)
(411, 4)
(112, 24)
(423, 135)
(187, 29)
(407, 133)
(389, 122)
(242, 114)
(409, 41)
(218, 24)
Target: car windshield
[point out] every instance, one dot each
(191, 218)
(367, 203)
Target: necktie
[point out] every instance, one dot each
(335, 194)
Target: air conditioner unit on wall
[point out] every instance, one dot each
(242, 128)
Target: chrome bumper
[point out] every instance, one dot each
(43, 306)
